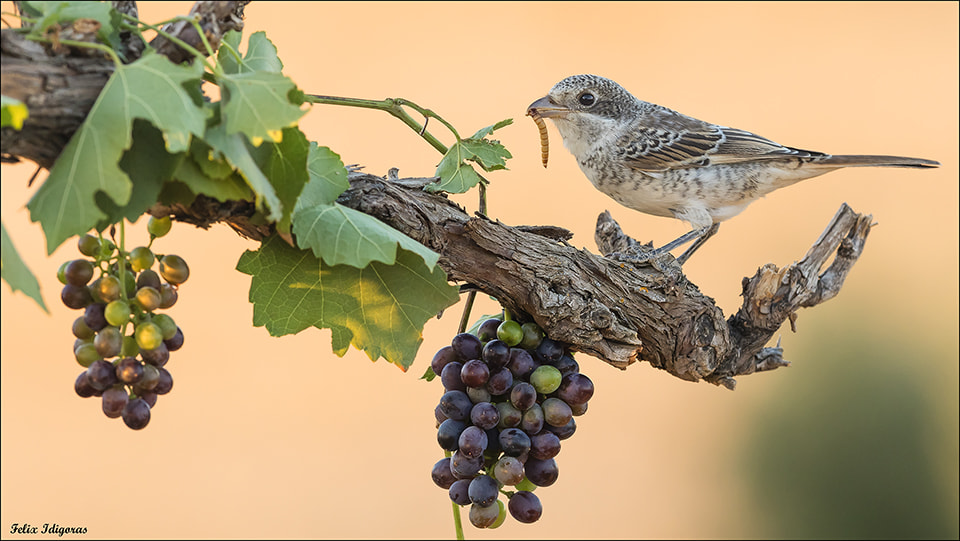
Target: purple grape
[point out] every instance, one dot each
(544, 445)
(488, 329)
(450, 377)
(521, 363)
(549, 351)
(484, 415)
(459, 491)
(456, 405)
(575, 389)
(525, 507)
(137, 414)
(542, 473)
(483, 490)
(523, 395)
(101, 375)
(113, 401)
(448, 434)
(93, 316)
(475, 373)
(510, 416)
(466, 346)
(175, 342)
(496, 353)
(556, 412)
(500, 381)
(565, 431)
(533, 420)
(567, 365)
(464, 467)
(441, 474)
(473, 441)
(514, 441)
(83, 388)
(508, 470)
(441, 358)
(165, 383)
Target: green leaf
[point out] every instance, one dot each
(230, 188)
(343, 236)
(429, 374)
(210, 166)
(64, 13)
(490, 129)
(380, 308)
(150, 88)
(327, 175)
(285, 164)
(15, 272)
(455, 175)
(14, 112)
(238, 155)
(491, 155)
(261, 54)
(257, 104)
(148, 165)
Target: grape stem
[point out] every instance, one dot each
(458, 524)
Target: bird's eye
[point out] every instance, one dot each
(586, 99)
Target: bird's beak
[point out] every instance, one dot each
(546, 108)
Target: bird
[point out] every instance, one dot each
(658, 161)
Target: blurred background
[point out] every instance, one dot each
(278, 437)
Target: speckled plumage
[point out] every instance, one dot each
(658, 161)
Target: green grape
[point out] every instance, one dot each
(532, 335)
(86, 354)
(158, 227)
(117, 313)
(61, 272)
(129, 348)
(149, 336)
(149, 298)
(88, 245)
(141, 258)
(130, 282)
(526, 485)
(174, 269)
(545, 379)
(81, 329)
(106, 249)
(167, 325)
(510, 332)
(500, 518)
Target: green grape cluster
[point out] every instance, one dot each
(511, 396)
(122, 340)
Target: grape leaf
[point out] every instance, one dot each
(490, 129)
(257, 104)
(192, 178)
(285, 164)
(455, 175)
(491, 155)
(261, 54)
(210, 166)
(327, 174)
(63, 13)
(15, 272)
(150, 88)
(238, 155)
(380, 308)
(14, 112)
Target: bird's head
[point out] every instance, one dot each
(585, 106)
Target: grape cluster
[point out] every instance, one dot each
(511, 396)
(122, 341)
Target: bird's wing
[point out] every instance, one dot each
(679, 141)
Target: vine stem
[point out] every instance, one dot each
(393, 106)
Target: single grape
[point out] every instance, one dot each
(475, 373)
(549, 351)
(168, 327)
(148, 335)
(168, 296)
(464, 467)
(108, 342)
(523, 395)
(483, 490)
(578, 409)
(78, 272)
(466, 346)
(566, 364)
(448, 434)
(510, 416)
(532, 335)
(141, 258)
(148, 381)
(473, 440)
(525, 485)
(81, 329)
(510, 332)
(88, 245)
(176, 342)
(83, 388)
(93, 316)
(137, 414)
(75, 297)
(148, 298)
(544, 445)
(450, 377)
(479, 394)
(483, 517)
(508, 470)
(165, 382)
(485, 415)
(149, 278)
(525, 507)
(575, 389)
(533, 420)
(542, 473)
(62, 272)
(441, 358)
(441, 473)
(556, 412)
(500, 381)
(174, 269)
(129, 347)
(439, 416)
(117, 313)
(565, 431)
(496, 353)
(521, 363)
(101, 375)
(456, 405)
(545, 379)
(149, 398)
(514, 441)
(129, 370)
(158, 227)
(109, 288)
(86, 354)
(488, 329)
(157, 356)
(458, 492)
(113, 401)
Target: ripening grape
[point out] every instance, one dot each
(141, 258)
(174, 269)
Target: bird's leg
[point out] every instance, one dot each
(703, 234)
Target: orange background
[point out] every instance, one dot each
(277, 437)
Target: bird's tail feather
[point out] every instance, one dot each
(855, 160)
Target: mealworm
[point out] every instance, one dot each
(544, 139)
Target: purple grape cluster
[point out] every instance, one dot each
(122, 340)
(510, 397)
